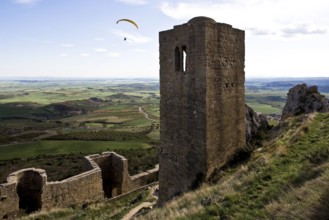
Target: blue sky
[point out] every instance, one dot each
(80, 38)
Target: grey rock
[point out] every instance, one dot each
(256, 124)
(302, 100)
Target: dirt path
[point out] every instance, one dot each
(135, 210)
(140, 109)
(48, 134)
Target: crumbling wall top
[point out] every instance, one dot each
(15, 176)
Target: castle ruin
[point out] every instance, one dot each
(106, 177)
(202, 107)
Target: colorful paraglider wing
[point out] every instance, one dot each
(128, 20)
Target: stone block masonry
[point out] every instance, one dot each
(29, 190)
(202, 106)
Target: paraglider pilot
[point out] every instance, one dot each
(130, 21)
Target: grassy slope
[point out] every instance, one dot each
(115, 209)
(286, 179)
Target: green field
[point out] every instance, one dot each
(264, 108)
(266, 102)
(66, 147)
(53, 124)
(80, 117)
(73, 108)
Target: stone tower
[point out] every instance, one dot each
(202, 107)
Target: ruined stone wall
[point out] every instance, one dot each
(202, 102)
(75, 190)
(145, 178)
(8, 200)
(28, 189)
(23, 189)
(79, 189)
(116, 178)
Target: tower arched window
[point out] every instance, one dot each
(177, 59)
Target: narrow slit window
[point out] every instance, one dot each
(177, 59)
(184, 58)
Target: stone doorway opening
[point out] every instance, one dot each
(113, 167)
(29, 190)
(110, 185)
(107, 184)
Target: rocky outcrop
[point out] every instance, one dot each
(256, 125)
(302, 100)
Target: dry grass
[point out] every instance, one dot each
(192, 203)
(281, 150)
(56, 213)
(101, 210)
(309, 201)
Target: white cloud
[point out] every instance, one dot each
(26, 2)
(290, 30)
(63, 55)
(140, 50)
(113, 54)
(260, 17)
(133, 2)
(67, 45)
(100, 50)
(84, 54)
(302, 29)
(132, 38)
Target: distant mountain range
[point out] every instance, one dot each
(251, 83)
(287, 83)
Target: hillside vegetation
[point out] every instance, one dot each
(285, 179)
(53, 124)
(44, 123)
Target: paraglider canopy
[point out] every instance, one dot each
(128, 20)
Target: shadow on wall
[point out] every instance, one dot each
(29, 190)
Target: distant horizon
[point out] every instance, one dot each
(140, 78)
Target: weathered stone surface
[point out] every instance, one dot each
(302, 99)
(255, 124)
(202, 102)
(8, 201)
